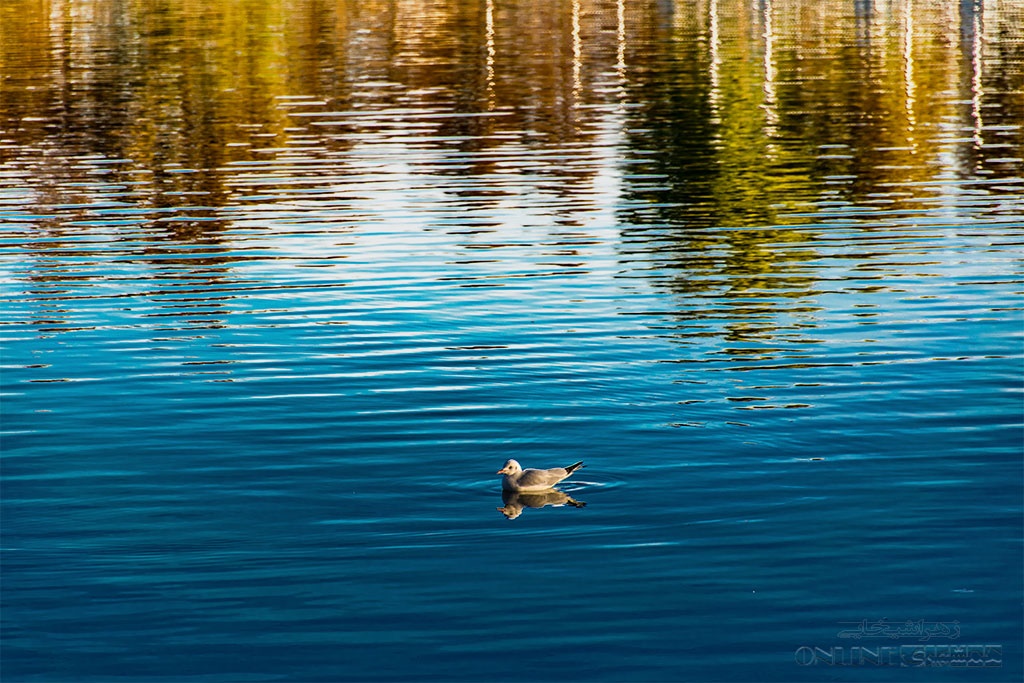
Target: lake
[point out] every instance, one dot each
(285, 283)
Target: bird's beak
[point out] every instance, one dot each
(502, 471)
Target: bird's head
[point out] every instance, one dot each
(511, 467)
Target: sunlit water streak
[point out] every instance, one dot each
(266, 338)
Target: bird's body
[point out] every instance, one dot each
(517, 479)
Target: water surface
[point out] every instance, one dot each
(284, 283)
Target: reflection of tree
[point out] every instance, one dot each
(893, 86)
(745, 108)
(747, 114)
(701, 127)
(703, 159)
(729, 104)
(178, 85)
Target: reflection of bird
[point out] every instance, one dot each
(518, 479)
(515, 502)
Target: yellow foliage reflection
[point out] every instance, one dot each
(743, 103)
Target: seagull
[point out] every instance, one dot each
(518, 479)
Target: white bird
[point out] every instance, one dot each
(518, 479)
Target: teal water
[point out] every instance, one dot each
(276, 307)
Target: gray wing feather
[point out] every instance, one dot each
(542, 477)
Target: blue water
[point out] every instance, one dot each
(267, 338)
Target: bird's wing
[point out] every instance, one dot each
(550, 477)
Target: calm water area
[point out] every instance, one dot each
(284, 282)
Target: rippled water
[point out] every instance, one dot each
(284, 283)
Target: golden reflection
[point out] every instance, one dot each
(651, 120)
(736, 99)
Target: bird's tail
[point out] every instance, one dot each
(572, 468)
